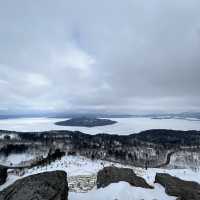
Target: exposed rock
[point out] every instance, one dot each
(81, 183)
(110, 175)
(184, 190)
(44, 186)
(3, 175)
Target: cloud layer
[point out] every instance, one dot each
(114, 56)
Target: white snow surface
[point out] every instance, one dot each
(123, 191)
(124, 126)
(77, 165)
(15, 158)
(10, 180)
(73, 165)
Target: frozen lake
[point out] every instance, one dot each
(124, 126)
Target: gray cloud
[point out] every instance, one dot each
(116, 56)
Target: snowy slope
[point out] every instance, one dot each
(80, 166)
(123, 191)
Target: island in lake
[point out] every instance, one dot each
(86, 122)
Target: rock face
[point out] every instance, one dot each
(184, 190)
(110, 175)
(3, 175)
(44, 186)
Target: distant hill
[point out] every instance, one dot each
(86, 122)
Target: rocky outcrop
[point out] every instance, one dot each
(110, 175)
(44, 186)
(184, 190)
(3, 175)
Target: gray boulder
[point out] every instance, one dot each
(3, 175)
(110, 175)
(44, 186)
(184, 190)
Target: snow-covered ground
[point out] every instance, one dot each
(124, 126)
(80, 166)
(185, 159)
(16, 158)
(123, 191)
(12, 136)
(73, 165)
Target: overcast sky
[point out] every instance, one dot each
(124, 56)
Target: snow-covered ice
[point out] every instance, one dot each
(124, 126)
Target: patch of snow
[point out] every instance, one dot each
(73, 165)
(11, 135)
(184, 174)
(10, 180)
(123, 191)
(16, 158)
(185, 159)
